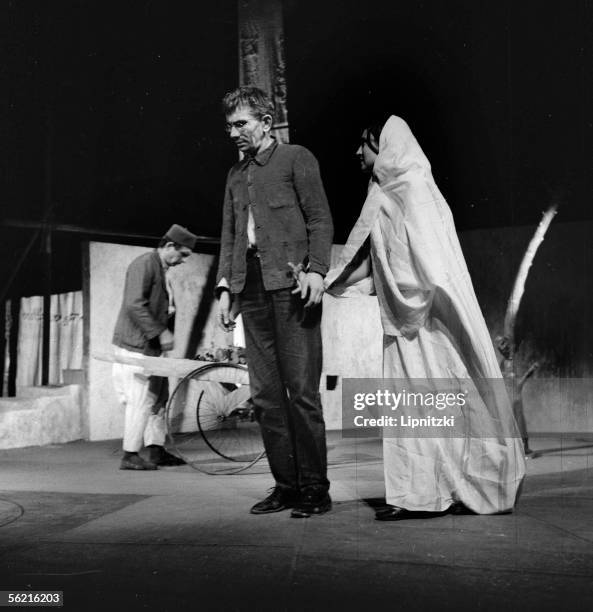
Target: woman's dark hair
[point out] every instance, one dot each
(373, 133)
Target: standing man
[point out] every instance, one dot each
(276, 212)
(141, 329)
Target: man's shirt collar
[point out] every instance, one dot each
(263, 157)
(162, 264)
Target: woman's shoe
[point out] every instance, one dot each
(395, 513)
(392, 513)
(459, 508)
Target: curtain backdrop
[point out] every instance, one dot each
(65, 338)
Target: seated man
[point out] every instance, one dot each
(141, 329)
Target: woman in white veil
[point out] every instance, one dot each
(433, 329)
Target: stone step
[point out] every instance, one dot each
(41, 415)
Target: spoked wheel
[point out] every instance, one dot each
(211, 420)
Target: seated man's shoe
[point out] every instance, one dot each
(159, 456)
(279, 499)
(133, 461)
(313, 501)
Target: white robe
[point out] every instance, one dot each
(434, 329)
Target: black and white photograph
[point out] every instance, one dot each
(296, 304)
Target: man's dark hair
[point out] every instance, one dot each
(252, 97)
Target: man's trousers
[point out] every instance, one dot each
(283, 342)
(143, 398)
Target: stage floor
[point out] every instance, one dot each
(177, 539)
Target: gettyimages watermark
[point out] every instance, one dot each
(426, 408)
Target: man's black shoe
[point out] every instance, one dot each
(278, 500)
(159, 456)
(313, 501)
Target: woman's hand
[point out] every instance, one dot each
(312, 284)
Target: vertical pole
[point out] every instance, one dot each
(86, 337)
(47, 265)
(15, 311)
(3, 330)
(47, 250)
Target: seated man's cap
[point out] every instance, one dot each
(182, 236)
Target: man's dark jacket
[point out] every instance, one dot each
(144, 311)
(292, 218)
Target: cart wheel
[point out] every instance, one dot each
(211, 420)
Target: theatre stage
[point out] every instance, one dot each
(177, 539)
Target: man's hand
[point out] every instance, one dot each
(226, 319)
(311, 284)
(167, 340)
(298, 275)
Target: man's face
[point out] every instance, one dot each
(246, 131)
(174, 255)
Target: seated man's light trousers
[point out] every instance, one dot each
(139, 394)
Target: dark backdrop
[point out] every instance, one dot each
(118, 103)
(499, 95)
